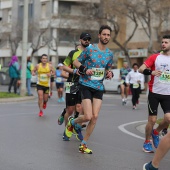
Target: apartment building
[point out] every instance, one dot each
(157, 18)
(54, 27)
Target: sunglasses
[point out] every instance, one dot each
(85, 39)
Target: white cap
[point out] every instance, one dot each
(60, 64)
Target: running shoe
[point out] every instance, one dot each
(44, 105)
(147, 147)
(148, 166)
(77, 132)
(65, 138)
(155, 140)
(59, 100)
(62, 99)
(83, 149)
(69, 128)
(123, 102)
(40, 114)
(61, 117)
(134, 107)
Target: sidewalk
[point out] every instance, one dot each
(3, 88)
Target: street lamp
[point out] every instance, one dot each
(24, 48)
(0, 11)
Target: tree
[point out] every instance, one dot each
(38, 38)
(15, 37)
(119, 14)
(11, 38)
(152, 15)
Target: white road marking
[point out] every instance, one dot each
(122, 128)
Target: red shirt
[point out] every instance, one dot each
(161, 84)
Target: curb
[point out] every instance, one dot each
(17, 99)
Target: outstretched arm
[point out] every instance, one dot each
(34, 70)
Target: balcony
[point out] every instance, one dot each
(73, 23)
(91, 1)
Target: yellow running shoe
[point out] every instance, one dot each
(69, 128)
(83, 148)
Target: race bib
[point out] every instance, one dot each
(122, 81)
(58, 79)
(165, 77)
(135, 85)
(43, 78)
(67, 86)
(98, 73)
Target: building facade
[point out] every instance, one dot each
(54, 28)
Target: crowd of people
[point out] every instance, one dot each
(82, 74)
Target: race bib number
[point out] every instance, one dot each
(98, 73)
(135, 85)
(67, 86)
(43, 78)
(58, 79)
(165, 77)
(122, 81)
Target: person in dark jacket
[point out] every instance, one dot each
(28, 76)
(14, 73)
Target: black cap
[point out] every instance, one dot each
(85, 35)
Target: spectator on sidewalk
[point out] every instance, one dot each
(14, 73)
(28, 76)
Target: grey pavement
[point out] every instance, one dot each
(29, 142)
(143, 97)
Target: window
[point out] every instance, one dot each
(9, 16)
(43, 10)
(31, 10)
(20, 13)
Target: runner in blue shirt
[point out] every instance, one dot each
(93, 64)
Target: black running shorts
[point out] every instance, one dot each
(43, 88)
(59, 85)
(90, 93)
(73, 99)
(153, 101)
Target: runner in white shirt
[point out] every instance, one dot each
(158, 66)
(134, 79)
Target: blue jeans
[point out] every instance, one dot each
(28, 83)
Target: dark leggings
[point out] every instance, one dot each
(13, 82)
(135, 94)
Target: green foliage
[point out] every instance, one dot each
(8, 95)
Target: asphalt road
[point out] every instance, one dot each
(29, 142)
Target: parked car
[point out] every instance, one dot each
(114, 83)
(33, 79)
(4, 76)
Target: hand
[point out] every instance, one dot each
(156, 73)
(89, 72)
(77, 72)
(49, 74)
(109, 74)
